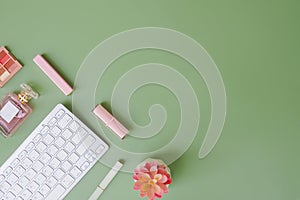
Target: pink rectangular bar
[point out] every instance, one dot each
(110, 121)
(53, 75)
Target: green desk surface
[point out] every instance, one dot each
(255, 45)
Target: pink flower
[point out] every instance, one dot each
(152, 178)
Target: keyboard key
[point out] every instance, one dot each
(82, 132)
(64, 121)
(33, 186)
(79, 136)
(74, 126)
(37, 166)
(45, 130)
(16, 189)
(80, 162)
(7, 171)
(45, 158)
(41, 147)
(85, 165)
(54, 163)
(14, 163)
(88, 141)
(33, 155)
(47, 171)
(85, 144)
(59, 113)
(59, 173)
(19, 171)
(75, 172)
(67, 134)
(26, 163)
(81, 149)
(52, 121)
(62, 155)
(69, 147)
(60, 142)
(26, 194)
(40, 179)
(67, 181)
(76, 139)
(2, 178)
(37, 196)
(19, 198)
(90, 155)
(30, 174)
(12, 179)
(22, 154)
(44, 190)
(52, 150)
(10, 196)
(73, 158)
(55, 131)
(29, 146)
(56, 192)
(92, 158)
(96, 145)
(48, 139)
(5, 187)
(66, 166)
(100, 149)
(51, 182)
(37, 138)
(23, 181)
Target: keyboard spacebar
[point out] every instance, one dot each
(56, 193)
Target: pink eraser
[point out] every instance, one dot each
(110, 121)
(53, 75)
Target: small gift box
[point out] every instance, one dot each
(152, 178)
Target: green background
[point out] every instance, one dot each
(255, 45)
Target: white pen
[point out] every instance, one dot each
(104, 183)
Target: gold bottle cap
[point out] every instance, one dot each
(27, 93)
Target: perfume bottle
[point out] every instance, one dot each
(14, 109)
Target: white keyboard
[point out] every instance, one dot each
(54, 157)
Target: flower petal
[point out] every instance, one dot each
(150, 192)
(169, 181)
(158, 177)
(143, 177)
(163, 187)
(158, 195)
(144, 169)
(163, 179)
(145, 187)
(153, 169)
(143, 193)
(157, 189)
(135, 177)
(138, 185)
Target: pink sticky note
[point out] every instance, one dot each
(110, 121)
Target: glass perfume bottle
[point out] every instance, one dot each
(14, 109)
